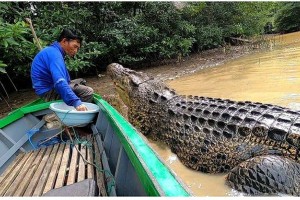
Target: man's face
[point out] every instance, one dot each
(71, 47)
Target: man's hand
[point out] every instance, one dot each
(81, 107)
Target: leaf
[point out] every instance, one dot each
(5, 43)
(2, 70)
(2, 65)
(11, 41)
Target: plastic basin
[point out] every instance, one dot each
(69, 116)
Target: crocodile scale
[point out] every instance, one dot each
(258, 144)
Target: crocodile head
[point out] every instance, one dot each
(126, 81)
(141, 93)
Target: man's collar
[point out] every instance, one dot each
(57, 45)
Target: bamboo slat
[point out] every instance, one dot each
(73, 166)
(54, 170)
(17, 181)
(82, 164)
(43, 178)
(31, 187)
(63, 167)
(28, 177)
(14, 173)
(90, 168)
(12, 166)
(36, 172)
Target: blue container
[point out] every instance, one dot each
(69, 116)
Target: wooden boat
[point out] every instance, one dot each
(111, 153)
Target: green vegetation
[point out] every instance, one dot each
(288, 17)
(133, 33)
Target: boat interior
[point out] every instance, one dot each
(105, 157)
(42, 160)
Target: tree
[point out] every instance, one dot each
(131, 33)
(288, 17)
(16, 47)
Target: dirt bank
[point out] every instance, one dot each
(103, 85)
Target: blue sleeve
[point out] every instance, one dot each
(58, 72)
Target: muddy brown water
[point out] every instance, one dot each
(269, 76)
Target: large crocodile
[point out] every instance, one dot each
(258, 144)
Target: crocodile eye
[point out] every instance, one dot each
(135, 82)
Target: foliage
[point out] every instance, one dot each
(288, 17)
(174, 33)
(216, 21)
(153, 31)
(65, 15)
(209, 36)
(253, 16)
(131, 33)
(2, 66)
(83, 59)
(16, 50)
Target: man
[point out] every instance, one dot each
(50, 77)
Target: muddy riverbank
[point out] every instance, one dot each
(103, 85)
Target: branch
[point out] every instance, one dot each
(33, 33)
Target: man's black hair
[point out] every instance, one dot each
(69, 35)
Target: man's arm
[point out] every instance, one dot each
(57, 68)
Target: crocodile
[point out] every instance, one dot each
(256, 144)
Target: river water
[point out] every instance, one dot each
(269, 76)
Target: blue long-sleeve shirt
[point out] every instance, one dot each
(48, 71)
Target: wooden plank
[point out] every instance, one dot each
(12, 166)
(43, 178)
(90, 168)
(31, 187)
(27, 178)
(18, 180)
(63, 167)
(9, 179)
(99, 173)
(82, 164)
(54, 170)
(73, 166)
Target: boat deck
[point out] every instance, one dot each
(36, 172)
